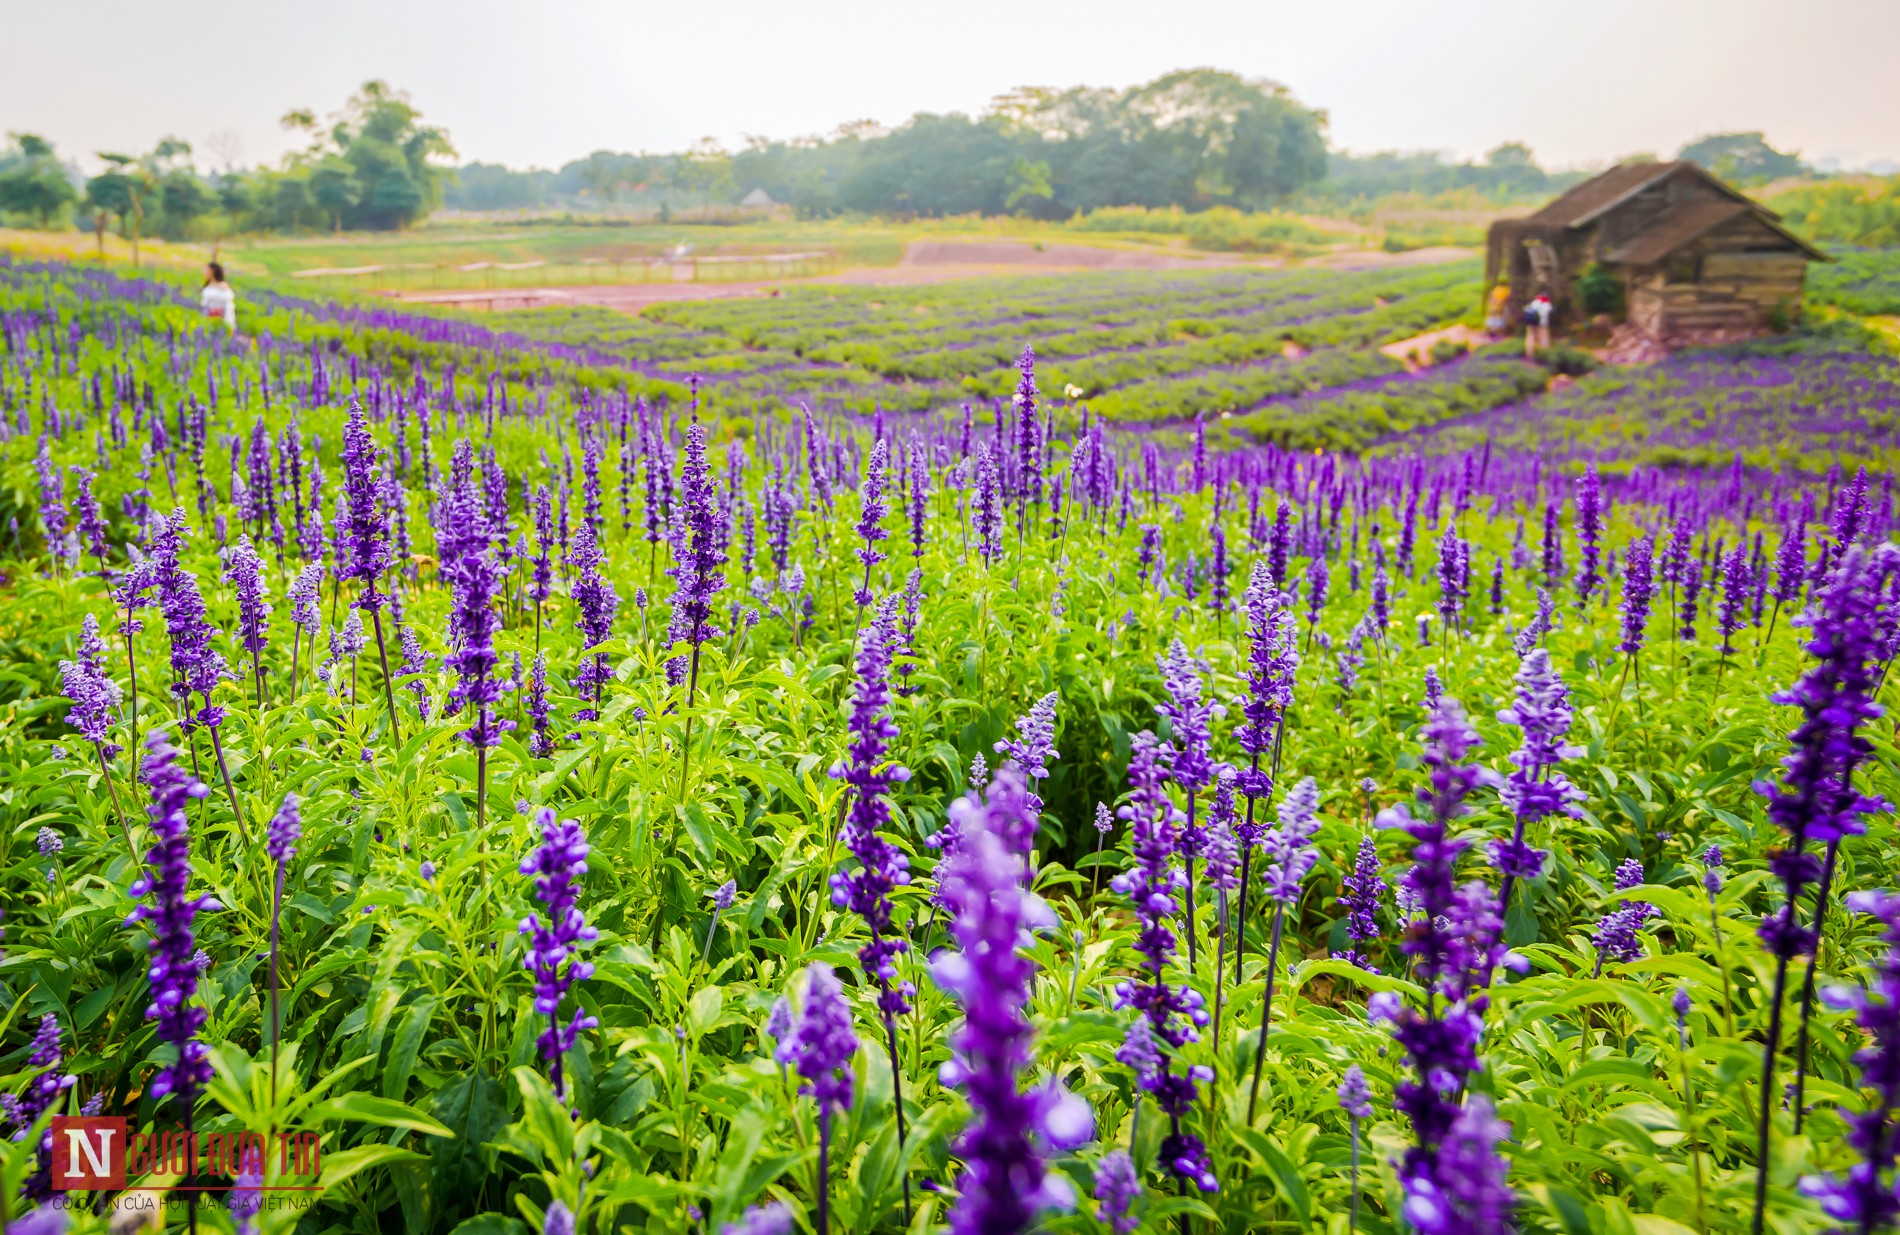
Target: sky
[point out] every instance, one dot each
(540, 84)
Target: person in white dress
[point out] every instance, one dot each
(220, 302)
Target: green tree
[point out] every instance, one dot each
(334, 188)
(1744, 158)
(32, 180)
(122, 191)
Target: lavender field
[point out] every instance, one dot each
(1084, 754)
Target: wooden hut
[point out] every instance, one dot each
(1693, 255)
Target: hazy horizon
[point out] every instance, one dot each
(540, 88)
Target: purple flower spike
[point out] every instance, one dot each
(871, 776)
(95, 696)
(1004, 1185)
(554, 942)
(1117, 1188)
(173, 947)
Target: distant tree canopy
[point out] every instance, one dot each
(371, 168)
(1508, 173)
(1195, 138)
(1742, 158)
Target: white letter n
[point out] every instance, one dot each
(77, 1141)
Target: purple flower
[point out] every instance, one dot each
(1028, 436)
(474, 619)
(1288, 849)
(919, 499)
(40, 1095)
(1273, 659)
(1589, 535)
(1536, 790)
(1117, 1187)
(597, 605)
(1355, 1096)
(1036, 741)
(1172, 1011)
(364, 540)
(772, 1218)
(986, 511)
(244, 570)
(1815, 800)
(1865, 1198)
(286, 827)
(539, 745)
(870, 774)
(1190, 717)
(1736, 586)
(1220, 851)
(554, 942)
(1003, 1186)
(196, 666)
(1639, 587)
(1361, 888)
(88, 523)
(871, 517)
(699, 569)
(1317, 579)
(1463, 1192)
(824, 1042)
(722, 898)
(173, 947)
(415, 662)
(95, 696)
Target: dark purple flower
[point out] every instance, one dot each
(1589, 535)
(196, 666)
(364, 538)
(1639, 587)
(173, 948)
(554, 941)
(1866, 1197)
(699, 569)
(539, 745)
(88, 523)
(1273, 659)
(1003, 1186)
(1464, 1192)
(1361, 887)
(1537, 789)
(1816, 802)
(244, 570)
(823, 1043)
(1173, 1012)
(986, 512)
(596, 605)
(415, 662)
(1736, 586)
(1028, 435)
(475, 621)
(868, 771)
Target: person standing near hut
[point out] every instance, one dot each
(1537, 324)
(1494, 311)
